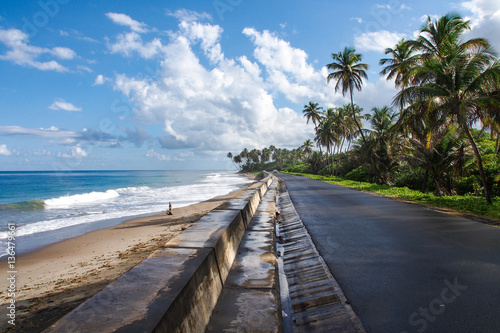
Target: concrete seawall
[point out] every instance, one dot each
(176, 288)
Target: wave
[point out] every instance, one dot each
(92, 207)
(35, 204)
(79, 199)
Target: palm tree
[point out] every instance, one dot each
(349, 73)
(457, 79)
(307, 147)
(237, 160)
(327, 136)
(381, 137)
(230, 156)
(312, 112)
(400, 65)
(254, 155)
(265, 155)
(438, 153)
(438, 38)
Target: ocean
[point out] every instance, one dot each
(46, 207)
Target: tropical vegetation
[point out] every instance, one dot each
(440, 135)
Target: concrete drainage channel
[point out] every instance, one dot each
(311, 297)
(225, 273)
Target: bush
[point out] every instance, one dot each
(298, 168)
(360, 174)
(468, 185)
(413, 179)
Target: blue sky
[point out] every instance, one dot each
(178, 84)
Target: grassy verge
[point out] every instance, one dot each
(462, 203)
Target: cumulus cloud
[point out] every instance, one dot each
(137, 136)
(226, 104)
(160, 157)
(126, 20)
(61, 104)
(63, 53)
(485, 20)
(131, 42)
(22, 53)
(77, 152)
(4, 151)
(278, 54)
(100, 79)
(377, 41)
(208, 36)
(287, 68)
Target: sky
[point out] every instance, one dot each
(146, 85)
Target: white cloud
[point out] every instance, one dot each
(377, 41)
(278, 54)
(160, 157)
(77, 152)
(485, 20)
(61, 104)
(223, 106)
(84, 68)
(207, 34)
(63, 53)
(42, 153)
(100, 79)
(287, 68)
(126, 20)
(4, 151)
(130, 42)
(22, 53)
(183, 156)
(188, 15)
(52, 133)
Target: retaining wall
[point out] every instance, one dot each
(176, 288)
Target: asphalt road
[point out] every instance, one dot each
(402, 267)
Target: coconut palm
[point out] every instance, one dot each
(380, 142)
(348, 71)
(307, 147)
(437, 152)
(265, 155)
(312, 112)
(456, 79)
(400, 65)
(237, 159)
(437, 38)
(230, 156)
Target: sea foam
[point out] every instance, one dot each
(79, 199)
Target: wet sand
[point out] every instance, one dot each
(53, 280)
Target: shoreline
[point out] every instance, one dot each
(54, 279)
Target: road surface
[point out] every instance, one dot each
(402, 267)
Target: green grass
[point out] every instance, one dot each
(462, 203)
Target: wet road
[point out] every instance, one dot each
(402, 267)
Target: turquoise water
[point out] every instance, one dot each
(49, 206)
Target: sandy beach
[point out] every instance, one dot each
(53, 280)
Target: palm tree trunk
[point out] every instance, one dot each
(333, 162)
(479, 164)
(354, 117)
(426, 179)
(496, 145)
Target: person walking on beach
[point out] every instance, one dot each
(169, 211)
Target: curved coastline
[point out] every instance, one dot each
(56, 278)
